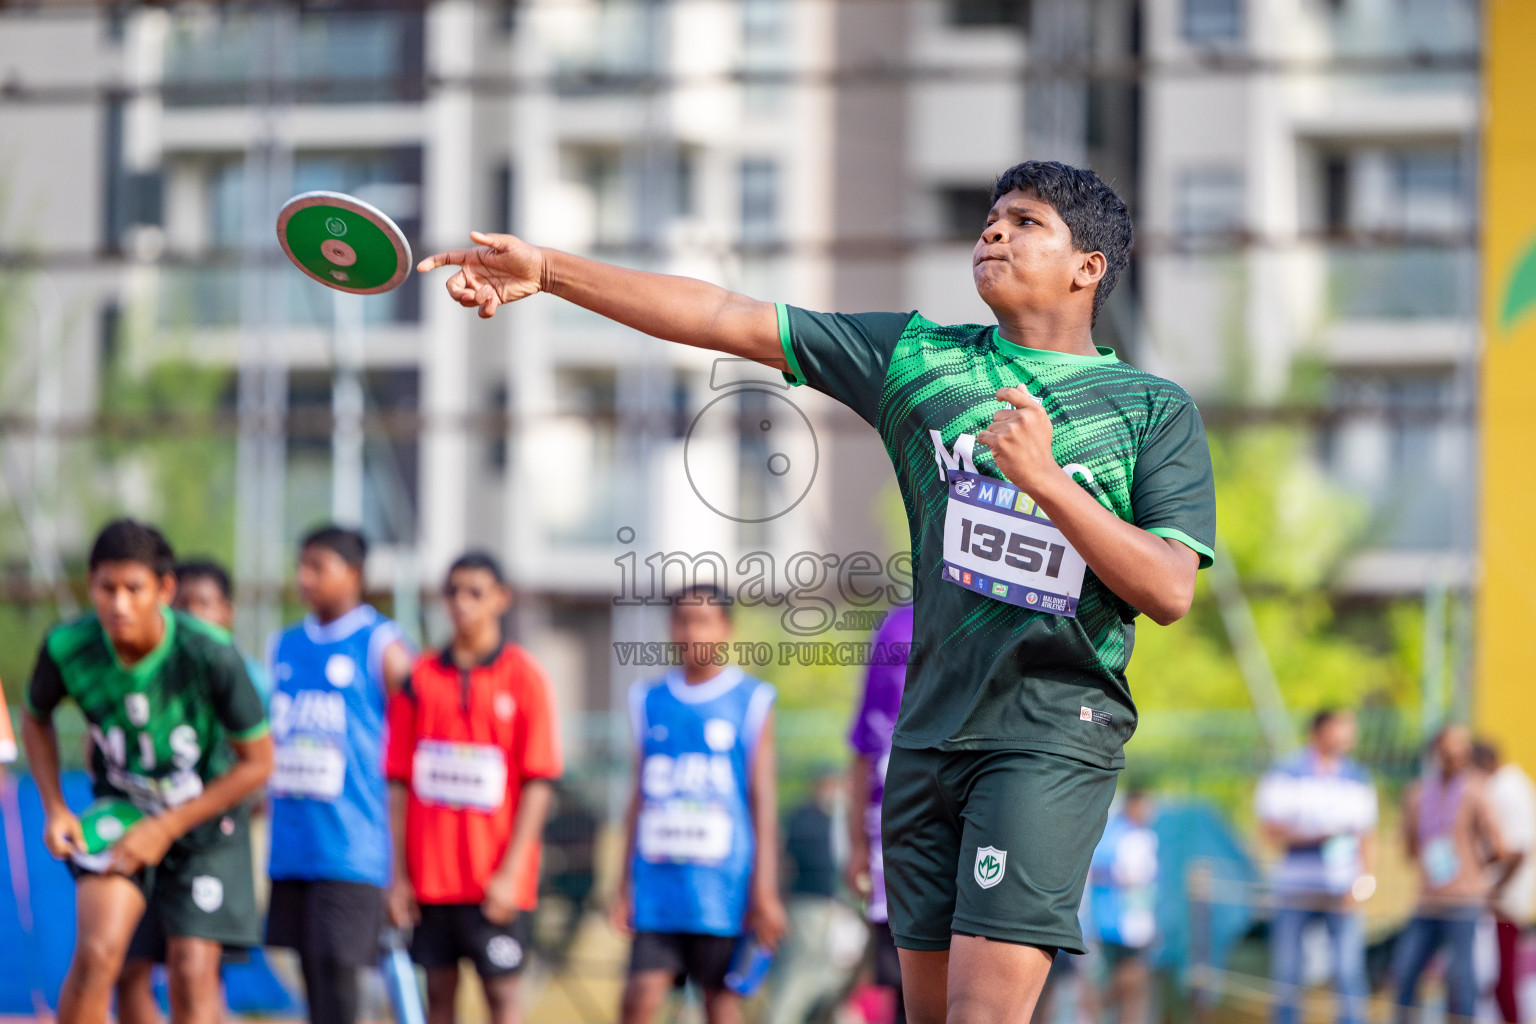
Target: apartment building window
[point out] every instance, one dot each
(1213, 21)
(685, 182)
(132, 198)
(1210, 202)
(963, 210)
(502, 195)
(987, 13)
(1433, 191)
(601, 173)
(764, 25)
(759, 202)
(357, 53)
(1394, 440)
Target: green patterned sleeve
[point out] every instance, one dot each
(1173, 490)
(844, 355)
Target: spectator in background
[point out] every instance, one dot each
(1450, 832)
(203, 590)
(1122, 903)
(870, 737)
(332, 677)
(1512, 799)
(473, 749)
(570, 872)
(819, 953)
(701, 831)
(1319, 807)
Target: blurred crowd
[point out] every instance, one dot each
(410, 798)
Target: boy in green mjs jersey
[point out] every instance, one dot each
(180, 743)
(1054, 494)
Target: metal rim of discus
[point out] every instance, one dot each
(346, 257)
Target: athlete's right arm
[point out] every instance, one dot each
(61, 833)
(501, 269)
(403, 912)
(857, 870)
(621, 912)
(45, 691)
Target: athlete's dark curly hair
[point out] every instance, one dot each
(128, 540)
(1093, 212)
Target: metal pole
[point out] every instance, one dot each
(261, 452)
(347, 410)
(1252, 659)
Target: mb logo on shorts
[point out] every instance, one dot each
(990, 862)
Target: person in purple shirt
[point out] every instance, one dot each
(870, 738)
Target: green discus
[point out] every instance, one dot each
(343, 242)
(101, 825)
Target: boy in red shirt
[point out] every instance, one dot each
(473, 749)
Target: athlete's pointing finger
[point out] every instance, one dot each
(454, 257)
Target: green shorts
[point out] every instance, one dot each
(205, 888)
(994, 843)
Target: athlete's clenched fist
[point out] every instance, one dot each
(1020, 439)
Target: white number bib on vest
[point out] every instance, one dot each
(997, 543)
(308, 767)
(685, 830)
(459, 775)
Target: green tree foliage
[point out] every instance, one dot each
(1288, 531)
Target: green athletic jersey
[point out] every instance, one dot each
(984, 674)
(159, 728)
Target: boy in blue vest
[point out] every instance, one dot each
(332, 676)
(702, 826)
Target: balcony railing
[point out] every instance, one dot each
(1402, 282)
(210, 297)
(346, 56)
(1399, 28)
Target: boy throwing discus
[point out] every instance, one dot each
(180, 742)
(1055, 494)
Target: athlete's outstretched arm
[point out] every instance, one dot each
(502, 269)
(1152, 574)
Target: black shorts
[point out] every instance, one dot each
(149, 941)
(327, 920)
(994, 843)
(450, 932)
(887, 960)
(702, 959)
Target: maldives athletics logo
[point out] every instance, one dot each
(990, 862)
(1520, 290)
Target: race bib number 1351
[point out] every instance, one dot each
(998, 544)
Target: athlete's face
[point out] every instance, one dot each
(1454, 748)
(203, 598)
(475, 600)
(1024, 262)
(127, 597)
(327, 584)
(697, 625)
(1336, 736)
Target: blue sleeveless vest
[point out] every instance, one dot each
(694, 840)
(330, 808)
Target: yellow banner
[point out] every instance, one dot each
(1505, 696)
